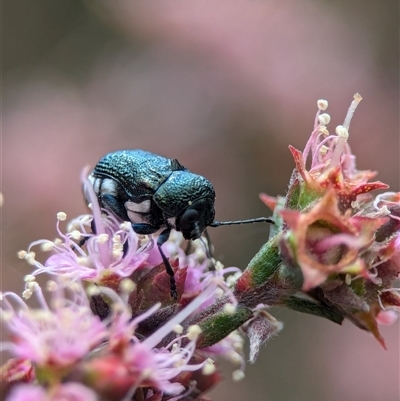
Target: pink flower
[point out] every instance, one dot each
(94, 257)
(333, 240)
(66, 342)
(332, 165)
(123, 366)
(58, 334)
(64, 392)
(323, 241)
(138, 336)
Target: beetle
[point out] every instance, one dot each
(157, 195)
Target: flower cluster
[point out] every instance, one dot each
(109, 329)
(335, 246)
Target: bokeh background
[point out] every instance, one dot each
(224, 86)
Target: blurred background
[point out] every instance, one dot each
(223, 86)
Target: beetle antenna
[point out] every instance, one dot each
(229, 223)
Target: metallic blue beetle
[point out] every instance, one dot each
(156, 195)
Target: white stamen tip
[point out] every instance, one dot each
(117, 253)
(193, 332)
(324, 119)
(323, 150)
(86, 220)
(209, 367)
(29, 278)
(30, 258)
(126, 225)
(229, 308)
(323, 130)
(61, 216)
(178, 329)
(33, 286)
(231, 280)
(347, 279)
(102, 238)
(118, 247)
(127, 285)
(92, 290)
(1, 199)
(219, 265)
(322, 104)
(342, 132)
(234, 358)
(21, 254)
(27, 294)
(116, 239)
(47, 246)
(238, 375)
(76, 235)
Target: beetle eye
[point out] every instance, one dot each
(188, 218)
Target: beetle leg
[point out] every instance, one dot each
(162, 239)
(209, 244)
(144, 229)
(208, 249)
(112, 203)
(188, 249)
(83, 240)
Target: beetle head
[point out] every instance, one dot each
(195, 219)
(189, 199)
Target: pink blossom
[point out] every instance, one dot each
(58, 334)
(64, 392)
(84, 260)
(335, 247)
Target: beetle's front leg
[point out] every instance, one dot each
(162, 239)
(146, 229)
(110, 202)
